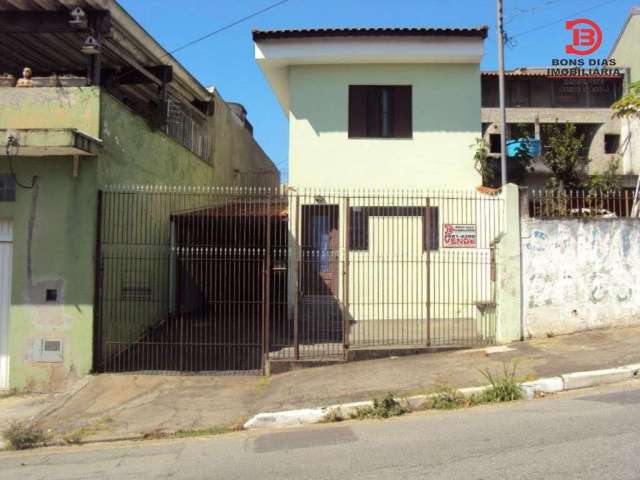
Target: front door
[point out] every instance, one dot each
(6, 252)
(321, 320)
(320, 250)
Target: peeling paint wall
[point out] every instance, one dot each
(51, 107)
(580, 274)
(55, 222)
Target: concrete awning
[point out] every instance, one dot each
(48, 142)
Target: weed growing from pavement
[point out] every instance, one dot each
(503, 387)
(333, 415)
(196, 432)
(79, 435)
(382, 408)
(448, 399)
(22, 435)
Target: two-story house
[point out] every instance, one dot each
(381, 120)
(377, 107)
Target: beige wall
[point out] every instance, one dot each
(626, 50)
(388, 283)
(446, 121)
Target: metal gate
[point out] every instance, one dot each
(225, 279)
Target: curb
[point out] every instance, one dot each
(562, 383)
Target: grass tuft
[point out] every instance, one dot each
(382, 408)
(80, 435)
(503, 387)
(23, 435)
(448, 399)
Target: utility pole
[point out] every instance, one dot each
(503, 111)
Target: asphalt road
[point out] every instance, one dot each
(592, 434)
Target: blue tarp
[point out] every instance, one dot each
(531, 144)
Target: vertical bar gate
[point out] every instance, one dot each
(196, 279)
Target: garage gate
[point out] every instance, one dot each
(224, 280)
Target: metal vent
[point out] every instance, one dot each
(52, 346)
(49, 351)
(136, 293)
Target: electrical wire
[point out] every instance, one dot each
(553, 22)
(519, 12)
(11, 150)
(226, 27)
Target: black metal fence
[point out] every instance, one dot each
(225, 279)
(622, 203)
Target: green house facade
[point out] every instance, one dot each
(127, 121)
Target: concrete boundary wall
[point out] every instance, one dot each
(580, 274)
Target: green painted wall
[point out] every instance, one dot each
(51, 107)
(53, 249)
(238, 159)
(134, 154)
(55, 223)
(446, 121)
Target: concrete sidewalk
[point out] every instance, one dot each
(122, 406)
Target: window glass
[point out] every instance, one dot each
(7, 188)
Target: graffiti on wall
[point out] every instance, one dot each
(580, 274)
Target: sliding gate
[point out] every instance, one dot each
(224, 279)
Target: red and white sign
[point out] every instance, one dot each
(586, 36)
(459, 236)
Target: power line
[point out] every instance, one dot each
(525, 11)
(227, 26)
(553, 22)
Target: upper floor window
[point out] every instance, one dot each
(378, 111)
(7, 188)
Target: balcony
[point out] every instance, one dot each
(51, 121)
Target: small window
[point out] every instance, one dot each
(380, 111)
(431, 229)
(51, 295)
(359, 224)
(7, 188)
(494, 143)
(611, 143)
(358, 229)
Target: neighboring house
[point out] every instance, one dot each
(377, 107)
(134, 116)
(534, 99)
(626, 53)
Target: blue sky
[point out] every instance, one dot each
(226, 59)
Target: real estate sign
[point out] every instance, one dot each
(459, 235)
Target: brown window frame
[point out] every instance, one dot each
(380, 111)
(359, 225)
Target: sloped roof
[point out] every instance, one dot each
(480, 32)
